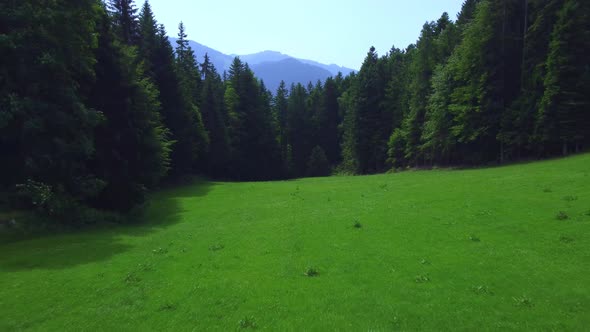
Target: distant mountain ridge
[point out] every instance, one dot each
(271, 66)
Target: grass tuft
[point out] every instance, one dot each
(311, 272)
(132, 278)
(167, 307)
(247, 323)
(561, 215)
(357, 224)
(566, 239)
(523, 301)
(482, 290)
(160, 251)
(422, 278)
(570, 198)
(216, 247)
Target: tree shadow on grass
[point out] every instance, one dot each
(68, 249)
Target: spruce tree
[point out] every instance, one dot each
(564, 117)
(46, 129)
(125, 20)
(212, 109)
(179, 112)
(131, 144)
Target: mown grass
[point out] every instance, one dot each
(429, 250)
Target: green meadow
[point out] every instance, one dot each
(505, 248)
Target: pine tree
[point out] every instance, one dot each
(438, 141)
(188, 69)
(46, 130)
(372, 132)
(280, 108)
(214, 120)
(329, 120)
(564, 117)
(422, 68)
(131, 145)
(318, 164)
(298, 129)
(542, 16)
(125, 20)
(179, 113)
(255, 152)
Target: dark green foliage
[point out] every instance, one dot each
(318, 164)
(372, 119)
(97, 107)
(214, 120)
(124, 18)
(177, 93)
(280, 105)
(563, 116)
(255, 152)
(298, 130)
(328, 121)
(132, 148)
(46, 129)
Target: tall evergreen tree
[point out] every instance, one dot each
(254, 149)
(329, 119)
(564, 117)
(298, 129)
(125, 20)
(179, 114)
(280, 108)
(422, 67)
(131, 144)
(212, 109)
(520, 125)
(372, 131)
(45, 127)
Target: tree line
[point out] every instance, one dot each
(97, 107)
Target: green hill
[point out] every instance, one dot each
(487, 249)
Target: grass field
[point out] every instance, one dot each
(488, 249)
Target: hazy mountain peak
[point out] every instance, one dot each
(271, 66)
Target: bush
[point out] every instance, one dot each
(318, 164)
(59, 207)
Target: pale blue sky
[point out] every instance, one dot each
(339, 32)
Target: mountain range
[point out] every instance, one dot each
(271, 66)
